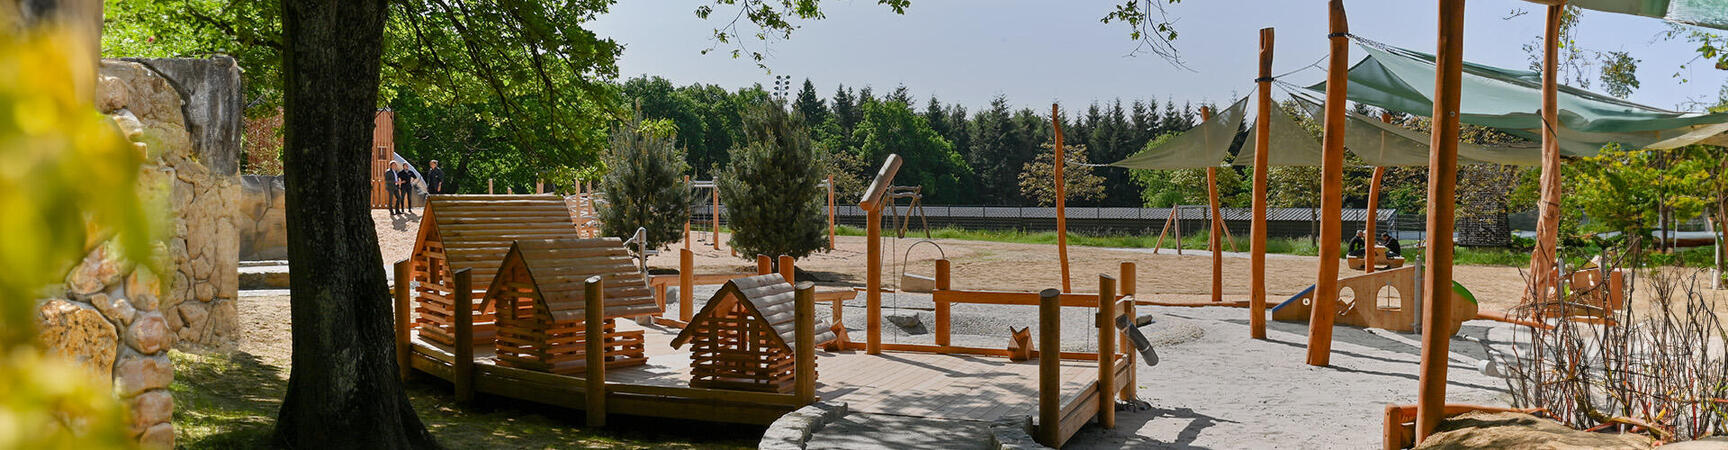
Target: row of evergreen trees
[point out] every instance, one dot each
(959, 156)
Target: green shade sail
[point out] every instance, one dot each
(1206, 145)
(1290, 144)
(1704, 13)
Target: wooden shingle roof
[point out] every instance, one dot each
(559, 268)
(770, 299)
(476, 230)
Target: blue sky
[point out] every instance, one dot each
(968, 51)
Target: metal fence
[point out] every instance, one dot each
(1282, 222)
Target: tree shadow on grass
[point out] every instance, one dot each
(231, 401)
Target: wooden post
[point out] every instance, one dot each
(594, 335)
(1049, 367)
(764, 265)
(804, 350)
(1331, 191)
(686, 219)
(1216, 240)
(873, 281)
(1061, 198)
(1373, 212)
(1106, 351)
(1542, 271)
(686, 285)
(1442, 198)
(489, 186)
(943, 283)
(404, 320)
(1161, 233)
(462, 369)
(1127, 280)
(830, 212)
(788, 269)
(716, 212)
(539, 186)
(1257, 242)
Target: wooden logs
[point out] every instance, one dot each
(1106, 351)
(404, 320)
(745, 337)
(1061, 198)
(1442, 201)
(1049, 430)
(594, 294)
(463, 367)
(788, 269)
(944, 309)
(1331, 188)
(804, 345)
(686, 284)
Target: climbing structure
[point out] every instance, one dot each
(473, 232)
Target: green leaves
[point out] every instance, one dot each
(644, 186)
(771, 191)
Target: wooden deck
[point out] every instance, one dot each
(961, 387)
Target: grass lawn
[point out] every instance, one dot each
(230, 401)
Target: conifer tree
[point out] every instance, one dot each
(643, 188)
(771, 190)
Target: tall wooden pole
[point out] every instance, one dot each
(1216, 241)
(1106, 351)
(1262, 140)
(1373, 219)
(830, 212)
(1331, 190)
(1442, 198)
(686, 285)
(1061, 198)
(873, 280)
(594, 333)
(715, 210)
(686, 219)
(1049, 368)
(804, 345)
(1548, 209)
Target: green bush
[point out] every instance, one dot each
(774, 204)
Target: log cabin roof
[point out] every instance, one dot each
(770, 300)
(476, 230)
(558, 269)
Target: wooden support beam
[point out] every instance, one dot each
(788, 269)
(1049, 430)
(1542, 270)
(1061, 198)
(764, 265)
(1215, 241)
(715, 211)
(1257, 240)
(463, 366)
(1129, 390)
(943, 283)
(1331, 190)
(1373, 212)
(1106, 351)
(594, 330)
(489, 186)
(804, 349)
(404, 319)
(1166, 230)
(1442, 200)
(872, 204)
(686, 285)
(687, 218)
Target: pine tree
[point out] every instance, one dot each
(771, 191)
(643, 188)
(811, 106)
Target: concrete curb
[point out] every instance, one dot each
(1013, 433)
(792, 430)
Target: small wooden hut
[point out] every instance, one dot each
(473, 232)
(538, 296)
(743, 338)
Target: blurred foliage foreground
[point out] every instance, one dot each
(67, 184)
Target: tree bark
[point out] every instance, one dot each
(342, 387)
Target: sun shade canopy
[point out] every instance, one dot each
(1704, 13)
(1205, 145)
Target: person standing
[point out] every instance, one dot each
(405, 180)
(434, 179)
(392, 187)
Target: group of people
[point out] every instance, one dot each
(399, 183)
(1359, 246)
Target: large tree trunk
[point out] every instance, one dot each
(342, 388)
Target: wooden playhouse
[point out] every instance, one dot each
(743, 338)
(473, 232)
(537, 295)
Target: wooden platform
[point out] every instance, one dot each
(962, 387)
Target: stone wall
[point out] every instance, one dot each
(119, 318)
(262, 224)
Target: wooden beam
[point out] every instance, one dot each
(1257, 240)
(1542, 271)
(1442, 199)
(764, 265)
(1166, 230)
(687, 218)
(943, 283)
(788, 269)
(1331, 190)
(871, 202)
(1215, 241)
(1128, 385)
(1061, 198)
(463, 366)
(404, 319)
(715, 211)
(1106, 351)
(1049, 368)
(594, 329)
(1373, 212)
(830, 212)
(686, 285)
(804, 335)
